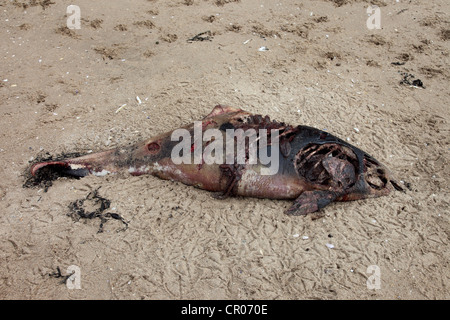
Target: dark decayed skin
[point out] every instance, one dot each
(315, 167)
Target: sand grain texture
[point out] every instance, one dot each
(60, 90)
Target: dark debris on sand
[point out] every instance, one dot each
(98, 205)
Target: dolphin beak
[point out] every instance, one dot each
(99, 164)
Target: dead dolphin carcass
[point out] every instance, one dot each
(234, 152)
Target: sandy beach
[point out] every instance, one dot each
(135, 69)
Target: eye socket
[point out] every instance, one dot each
(153, 147)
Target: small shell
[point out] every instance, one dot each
(121, 107)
